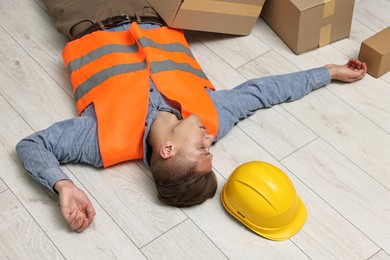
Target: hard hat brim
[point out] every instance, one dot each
(289, 230)
(277, 234)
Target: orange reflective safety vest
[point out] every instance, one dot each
(112, 70)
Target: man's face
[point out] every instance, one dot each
(191, 138)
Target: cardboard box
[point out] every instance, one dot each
(223, 16)
(375, 52)
(308, 24)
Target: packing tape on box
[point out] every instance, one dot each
(222, 7)
(325, 33)
(329, 7)
(326, 30)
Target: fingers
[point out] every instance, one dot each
(358, 69)
(349, 63)
(357, 75)
(90, 211)
(354, 64)
(364, 68)
(84, 226)
(78, 221)
(357, 65)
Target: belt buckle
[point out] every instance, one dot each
(110, 22)
(123, 18)
(115, 20)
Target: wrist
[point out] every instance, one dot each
(61, 184)
(331, 70)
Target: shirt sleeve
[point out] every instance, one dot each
(242, 101)
(71, 141)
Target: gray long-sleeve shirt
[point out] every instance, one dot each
(76, 141)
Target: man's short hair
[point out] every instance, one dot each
(179, 184)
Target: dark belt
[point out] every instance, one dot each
(118, 20)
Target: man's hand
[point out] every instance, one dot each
(352, 71)
(76, 208)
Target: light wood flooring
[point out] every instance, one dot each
(334, 144)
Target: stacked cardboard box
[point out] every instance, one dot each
(223, 16)
(375, 52)
(308, 24)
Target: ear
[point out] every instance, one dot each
(167, 150)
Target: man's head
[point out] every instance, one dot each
(182, 167)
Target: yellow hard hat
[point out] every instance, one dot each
(264, 199)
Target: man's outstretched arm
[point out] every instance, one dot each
(69, 141)
(242, 101)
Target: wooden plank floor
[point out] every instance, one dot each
(334, 144)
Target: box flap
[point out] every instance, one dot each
(167, 9)
(249, 2)
(223, 7)
(307, 4)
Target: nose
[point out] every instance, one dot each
(209, 138)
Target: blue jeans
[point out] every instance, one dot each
(125, 26)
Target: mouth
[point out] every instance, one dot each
(202, 126)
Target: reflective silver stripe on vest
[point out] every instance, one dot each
(166, 65)
(105, 74)
(96, 54)
(171, 47)
(155, 67)
(159, 66)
